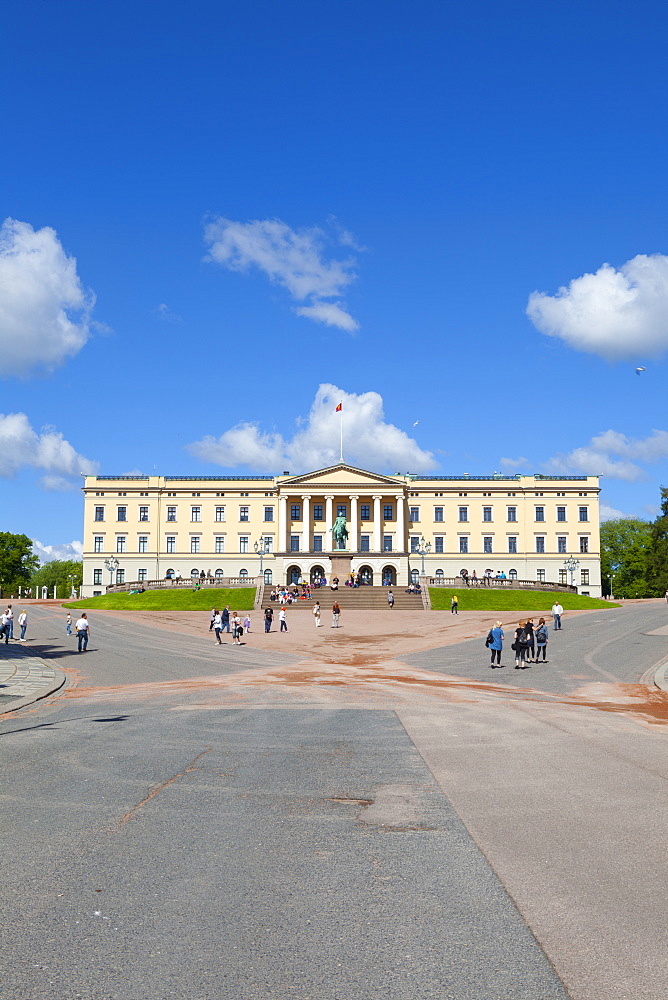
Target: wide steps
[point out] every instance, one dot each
(360, 599)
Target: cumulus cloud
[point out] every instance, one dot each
(21, 445)
(608, 513)
(47, 553)
(44, 310)
(295, 259)
(613, 313)
(613, 454)
(512, 464)
(368, 441)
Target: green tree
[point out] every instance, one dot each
(61, 573)
(17, 562)
(625, 548)
(657, 559)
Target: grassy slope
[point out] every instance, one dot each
(239, 599)
(489, 599)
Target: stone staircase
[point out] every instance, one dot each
(353, 599)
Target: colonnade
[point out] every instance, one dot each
(354, 524)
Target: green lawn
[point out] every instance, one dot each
(238, 598)
(490, 599)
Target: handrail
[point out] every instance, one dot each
(185, 583)
(484, 581)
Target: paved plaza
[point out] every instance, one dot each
(335, 814)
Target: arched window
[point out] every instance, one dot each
(268, 577)
(439, 572)
(512, 574)
(366, 576)
(194, 573)
(415, 576)
(317, 573)
(219, 574)
(243, 572)
(389, 576)
(294, 574)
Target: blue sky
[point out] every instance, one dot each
(219, 209)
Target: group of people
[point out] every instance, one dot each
(7, 624)
(230, 622)
(473, 580)
(529, 641)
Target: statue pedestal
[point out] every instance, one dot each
(340, 566)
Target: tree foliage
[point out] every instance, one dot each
(625, 544)
(17, 562)
(657, 556)
(61, 573)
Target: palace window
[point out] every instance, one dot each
(438, 513)
(512, 545)
(195, 513)
(171, 513)
(540, 513)
(583, 513)
(487, 513)
(487, 543)
(317, 543)
(388, 512)
(561, 544)
(243, 543)
(540, 543)
(98, 543)
(317, 512)
(219, 543)
(415, 541)
(414, 514)
(220, 513)
(120, 576)
(387, 543)
(269, 513)
(341, 510)
(143, 543)
(244, 513)
(463, 513)
(463, 544)
(121, 513)
(365, 542)
(97, 577)
(512, 513)
(563, 576)
(268, 543)
(365, 512)
(294, 543)
(171, 543)
(540, 575)
(584, 545)
(120, 543)
(142, 575)
(296, 512)
(438, 543)
(194, 543)
(143, 513)
(561, 513)
(584, 577)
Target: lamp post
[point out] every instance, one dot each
(612, 577)
(261, 549)
(112, 565)
(423, 548)
(571, 565)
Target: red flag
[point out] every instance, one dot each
(339, 407)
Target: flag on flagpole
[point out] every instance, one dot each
(339, 407)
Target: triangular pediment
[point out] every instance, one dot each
(341, 475)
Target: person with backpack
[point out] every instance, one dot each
(494, 642)
(520, 645)
(531, 649)
(541, 640)
(268, 618)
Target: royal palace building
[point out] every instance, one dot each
(536, 528)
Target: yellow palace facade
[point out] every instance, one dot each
(536, 528)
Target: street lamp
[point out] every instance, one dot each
(112, 565)
(571, 565)
(423, 548)
(261, 548)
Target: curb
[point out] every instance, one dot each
(39, 693)
(660, 675)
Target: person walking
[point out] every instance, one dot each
(68, 624)
(226, 618)
(336, 611)
(454, 605)
(283, 620)
(218, 626)
(23, 622)
(10, 616)
(214, 612)
(520, 646)
(557, 612)
(531, 648)
(237, 629)
(541, 640)
(390, 599)
(83, 633)
(247, 624)
(268, 618)
(495, 643)
(316, 614)
(4, 626)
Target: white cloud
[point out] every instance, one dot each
(44, 311)
(613, 313)
(368, 441)
(21, 445)
(292, 258)
(165, 313)
(47, 553)
(608, 513)
(614, 455)
(511, 464)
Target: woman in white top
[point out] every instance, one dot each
(237, 629)
(23, 622)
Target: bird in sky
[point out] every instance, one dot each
(639, 370)
(416, 423)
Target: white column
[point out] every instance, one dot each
(401, 540)
(376, 524)
(353, 541)
(329, 521)
(282, 524)
(306, 515)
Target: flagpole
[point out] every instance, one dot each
(341, 435)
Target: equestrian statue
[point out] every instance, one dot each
(339, 533)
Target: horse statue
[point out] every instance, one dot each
(339, 533)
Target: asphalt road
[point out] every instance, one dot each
(156, 848)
